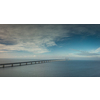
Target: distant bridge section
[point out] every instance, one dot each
(29, 62)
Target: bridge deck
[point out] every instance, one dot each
(39, 61)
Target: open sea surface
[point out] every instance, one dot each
(70, 68)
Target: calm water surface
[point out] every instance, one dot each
(69, 68)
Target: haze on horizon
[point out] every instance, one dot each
(50, 41)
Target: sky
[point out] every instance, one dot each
(50, 41)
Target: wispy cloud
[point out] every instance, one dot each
(88, 53)
(96, 51)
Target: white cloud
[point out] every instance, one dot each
(87, 53)
(30, 47)
(97, 50)
(31, 38)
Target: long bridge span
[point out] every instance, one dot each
(29, 62)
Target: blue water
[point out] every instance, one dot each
(69, 68)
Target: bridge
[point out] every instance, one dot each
(28, 62)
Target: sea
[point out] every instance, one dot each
(68, 68)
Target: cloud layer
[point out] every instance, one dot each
(37, 38)
(31, 38)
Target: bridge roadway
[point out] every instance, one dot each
(28, 62)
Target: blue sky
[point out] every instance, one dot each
(50, 41)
